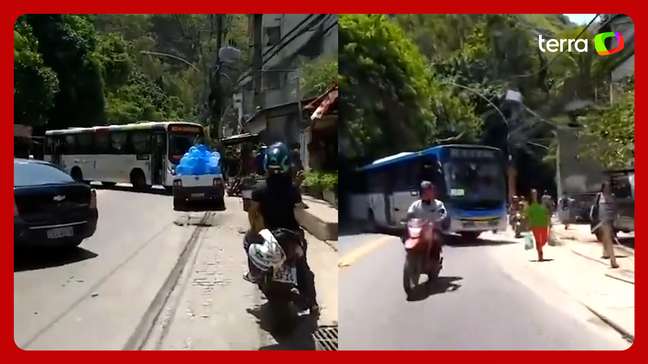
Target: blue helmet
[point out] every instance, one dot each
(277, 159)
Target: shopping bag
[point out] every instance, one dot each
(551, 238)
(528, 241)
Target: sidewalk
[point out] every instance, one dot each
(582, 242)
(575, 267)
(319, 219)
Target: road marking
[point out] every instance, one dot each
(362, 251)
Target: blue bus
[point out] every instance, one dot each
(471, 181)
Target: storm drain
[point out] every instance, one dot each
(326, 338)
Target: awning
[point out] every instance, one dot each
(240, 138)
(323, 103)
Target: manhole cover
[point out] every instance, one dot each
(326, 338)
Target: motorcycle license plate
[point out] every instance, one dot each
(285, 275)
(247, 194)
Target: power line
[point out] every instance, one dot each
(267, 51)
(294, 37)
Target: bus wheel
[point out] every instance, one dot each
(138, 180)
(76, 174)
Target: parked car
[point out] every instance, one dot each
(580, 207)
(50, 207)
(622, 185)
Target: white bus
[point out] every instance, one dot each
(143, 154)
(471, 181)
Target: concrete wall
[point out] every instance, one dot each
(575, 174)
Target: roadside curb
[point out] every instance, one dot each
(319, 228)
(139, 337)
(626, 335)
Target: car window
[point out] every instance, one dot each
(31, 174)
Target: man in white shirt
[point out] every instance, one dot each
(428, 207)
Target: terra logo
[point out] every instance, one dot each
(581, 45)
(599, 43)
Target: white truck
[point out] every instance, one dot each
(199, 192)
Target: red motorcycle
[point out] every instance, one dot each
(423, 253)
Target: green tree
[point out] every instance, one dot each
(390, 99)
(610, 132)
(35, 84)
(67, 43)
(318, 76)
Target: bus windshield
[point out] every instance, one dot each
(474, 181)
(180, 142)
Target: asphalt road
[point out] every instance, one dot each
(114, 291)
(475, 304)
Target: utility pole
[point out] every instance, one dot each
(217, 97)
(257, 57)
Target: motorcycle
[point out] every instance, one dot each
(423, 254)
(279, 286)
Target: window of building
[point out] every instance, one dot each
(273, 35)
(272, 80)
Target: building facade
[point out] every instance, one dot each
(270, 99)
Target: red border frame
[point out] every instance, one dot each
(16, 7)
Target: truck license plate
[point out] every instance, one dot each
(285, 274)
(58, 233)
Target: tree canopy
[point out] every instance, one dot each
(81, 70)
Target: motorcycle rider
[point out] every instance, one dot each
(272, 208)
(428, 208)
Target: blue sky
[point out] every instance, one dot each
(580, 19)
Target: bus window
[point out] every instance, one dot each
(118, 142)
(102, 143)
(69, 145)
(141, 142)
(50, 145)
(84, 144)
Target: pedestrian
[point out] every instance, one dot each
(260, 160)
(539, 219)
(605, 210)
(564, 209)
(548, 201)
(297, 167)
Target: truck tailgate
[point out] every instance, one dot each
(198, 180)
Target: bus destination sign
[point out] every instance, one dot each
(185, 129)
(472, 153)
